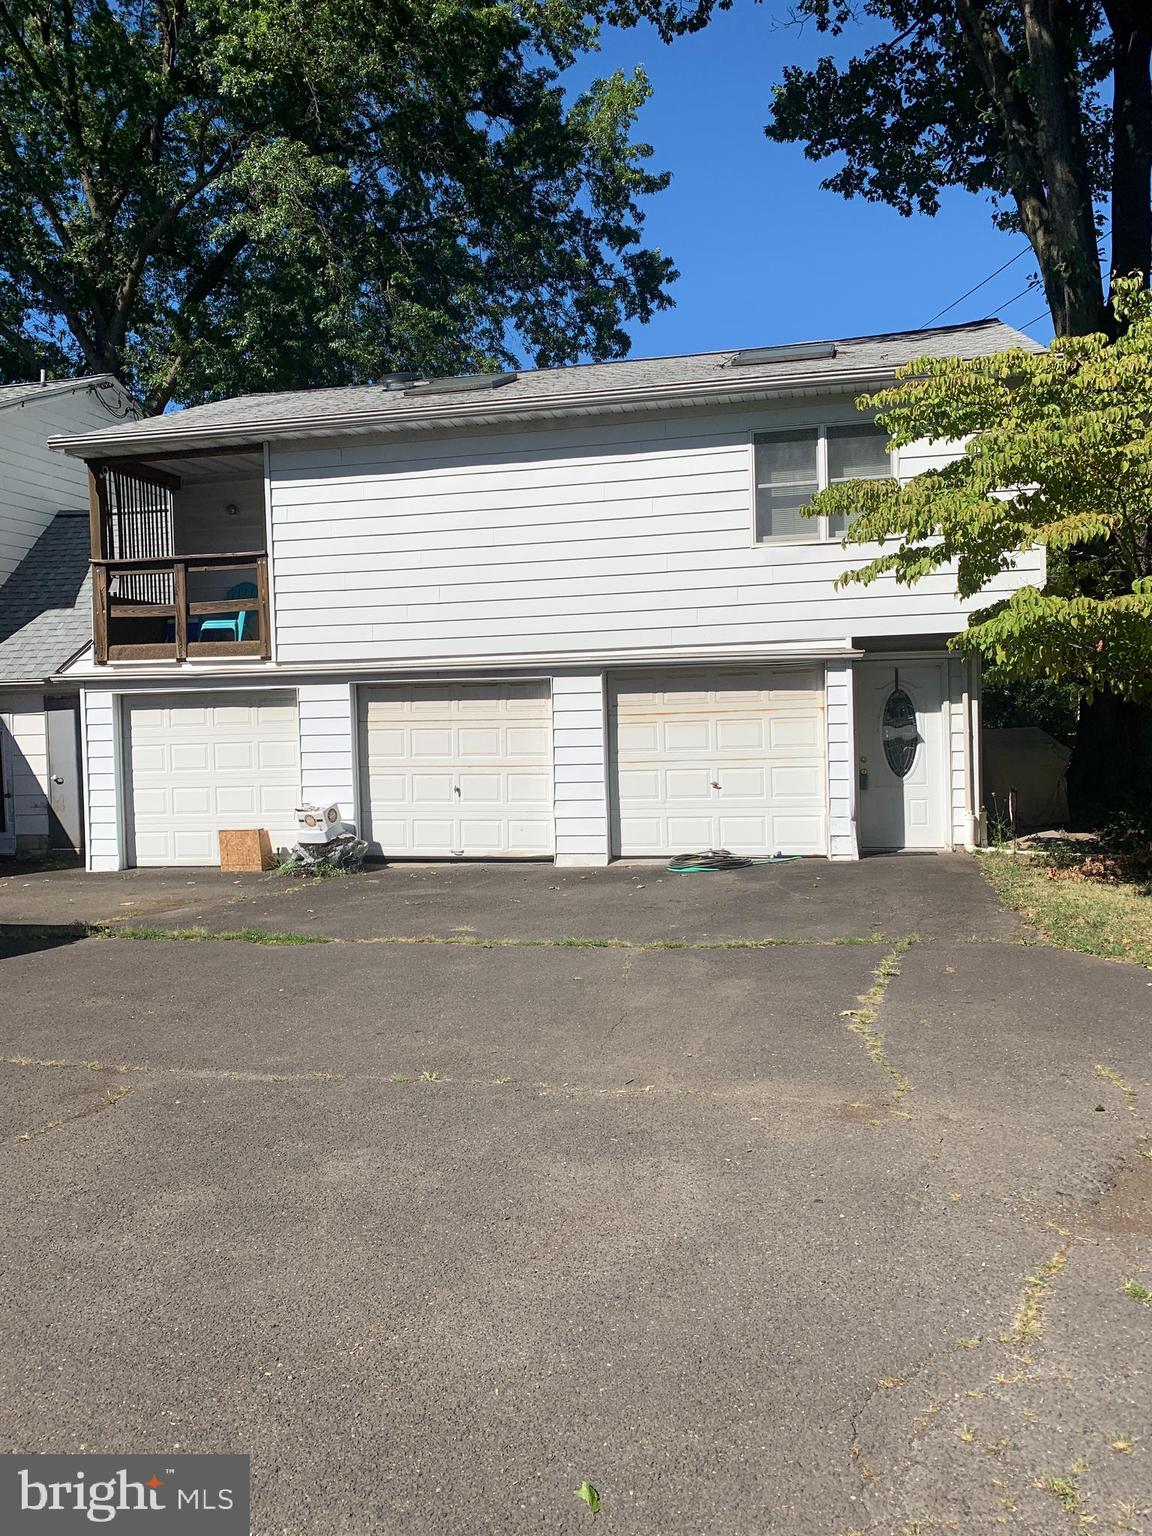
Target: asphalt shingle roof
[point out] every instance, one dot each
(46, 603)
(554, 388)
(25, 390)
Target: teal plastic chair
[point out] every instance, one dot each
(230, 627)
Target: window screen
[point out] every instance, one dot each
(786, 480)
(856, 453)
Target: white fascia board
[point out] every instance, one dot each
(113, 673)
(449, 415)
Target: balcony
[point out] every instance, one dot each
(143, 610)
(179, 567)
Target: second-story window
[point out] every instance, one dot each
(792, 466)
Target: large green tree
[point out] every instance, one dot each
(209, 196)
(1045, 106)
(1058, 454)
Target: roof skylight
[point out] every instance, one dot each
(796, 352)
(462, 383)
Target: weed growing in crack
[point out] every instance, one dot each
(113, 1096)
(1028, 1319)
(203, 935)
(1067, 1489)
(1138, 1292)
(1117, 1082)
(862, 1019)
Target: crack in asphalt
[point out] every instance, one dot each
(862, 1021)
(111, 1098)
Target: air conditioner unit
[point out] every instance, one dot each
(320, 823)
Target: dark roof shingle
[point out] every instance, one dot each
(46, 603)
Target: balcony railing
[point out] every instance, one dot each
(169, 609)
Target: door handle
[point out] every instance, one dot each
(57, 778)
(715, 785)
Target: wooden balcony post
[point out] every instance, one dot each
(180, 603)
(262, 592)
(96, 505)
(100, 612)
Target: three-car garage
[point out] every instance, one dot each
(674, 759)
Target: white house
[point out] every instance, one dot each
(567, 614)
(45, 604)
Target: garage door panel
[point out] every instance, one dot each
(740, 735)
(430, 743)
(681, 737)
(730, 757)
(686, 783)
(791, 733)
(181, 757)
(432, 788)
(198, 767)
(528, 742)
(480, 753)
(745, 783)
(799, 783)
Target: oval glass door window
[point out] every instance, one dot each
(898, 732)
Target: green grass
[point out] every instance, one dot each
(204, 935)
(465, 940)
(1114, 921)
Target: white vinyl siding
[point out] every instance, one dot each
(576, 543)
(200, 763)
(35, 483)
(328, 746)
(580, 768)
(840, 734)
(103, 780)
(458, 769)
(719, 759)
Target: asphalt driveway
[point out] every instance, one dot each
(801, 1199)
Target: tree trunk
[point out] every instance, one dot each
(1111, 769)
(1131, 137)
(1067, 249)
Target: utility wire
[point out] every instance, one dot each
(1024, 292)
(1023, 251)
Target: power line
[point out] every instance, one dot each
(1043, 315)
(1023, 251)
(1024, 292)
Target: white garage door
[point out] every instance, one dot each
(458, 769)
(719, 759)
(207, 761)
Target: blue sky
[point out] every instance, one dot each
(765, 256)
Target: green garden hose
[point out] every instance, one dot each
(714, 860)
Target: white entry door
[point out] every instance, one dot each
(200, 763)
(903, 782)
(7, 806)
(725, 758)
(458, 770)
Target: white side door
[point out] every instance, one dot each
(901, 760)
(7, 805)
(203, 762)
(724, 758)
(458, 770)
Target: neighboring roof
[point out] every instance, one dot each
(25, 393)
(46, 603)
(582, 389)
